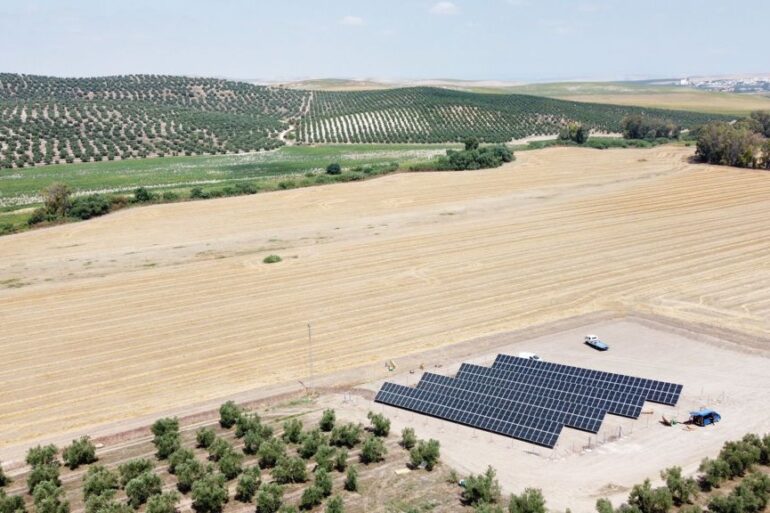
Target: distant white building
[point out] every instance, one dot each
(684, 82)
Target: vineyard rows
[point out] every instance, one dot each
(46, 120)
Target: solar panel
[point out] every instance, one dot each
(572, 414)
(617, 403)
(652, 390)
(528, 399)
(481, 416)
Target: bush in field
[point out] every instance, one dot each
(272, 259)
(327, 420)
(229, 412)
(166, 445)
(750, 496)
(345, 435)
(311, 441)
(56, 200)
(218, 448)
(682, 489)
(292, 431)
(290, 470)
(248, 484)
(42, 473)
(142, 195)
(380, 424)
(483, 488)
(638, 126)
(312, 496)
(104, 502)
(408, 438)
(204, 437)
(574, 132)
(133, 468)
(373, 450)
(425, 453)
(231, 464)
(80, 452)
(86, 207)
(163, 503)
(179, 457)
(142, 487)
(270, 451)
(188, 473)
(713, 473)
(323, 480)
(531, 501)
(650, 500)
(335, 505)
(251, 442)
(99, 480)
(324, 457)
(333, 169)
(269, 498)
(248, 422)
(11, 503)
(49, 498)
(209, 494)
(340, 460)
(42, 455)
(351, 479)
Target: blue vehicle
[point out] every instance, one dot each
(593, 341)
(704, 417)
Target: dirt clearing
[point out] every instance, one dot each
(165, 306)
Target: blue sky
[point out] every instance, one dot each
(397, 39)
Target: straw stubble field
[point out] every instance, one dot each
(154, 308)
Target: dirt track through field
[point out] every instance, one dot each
(151, 308)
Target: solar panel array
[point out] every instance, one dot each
(529, 400)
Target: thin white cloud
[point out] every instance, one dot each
(445, 8)
(352, 21)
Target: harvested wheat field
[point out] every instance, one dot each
(154, 308)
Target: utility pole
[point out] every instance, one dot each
(310, 351)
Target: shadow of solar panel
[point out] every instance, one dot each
(617, 403)
(652, 390)
(487, 417)
(572, 414)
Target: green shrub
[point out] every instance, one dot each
(292, 431)
(269, 498)
(204, 437)
(48, 498)
(142, 195)
(324, 457)
(380, 424)
(42, 455)
(345, 435)
(188, 473)
(312, 496)
(251, 442)
(163, 503)
(272, 259)
(270, 451)
(531, 501)
(231, 464)
(133, 468)
(248, 484)
(7, 228)
(11, 503)
(247, 422)
(323, 480)
(425, 453)
(42, 473)
(166, 445)
(328, 418)
(408, 438)
(86, 207)
(142, 487)
(713, 473)
(340, 460)
(650, 500)
(311, 441)
(209, 494)
(335, 505)
(482, 488)
(333, 169)
(99, 480)
(105, 501)
(351, 479)
(289, 470)
(4, 479)
(373, 450)
(682, 489)
(170, 196)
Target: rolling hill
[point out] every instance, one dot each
(47, 120)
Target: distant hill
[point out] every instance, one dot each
(46, 120)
